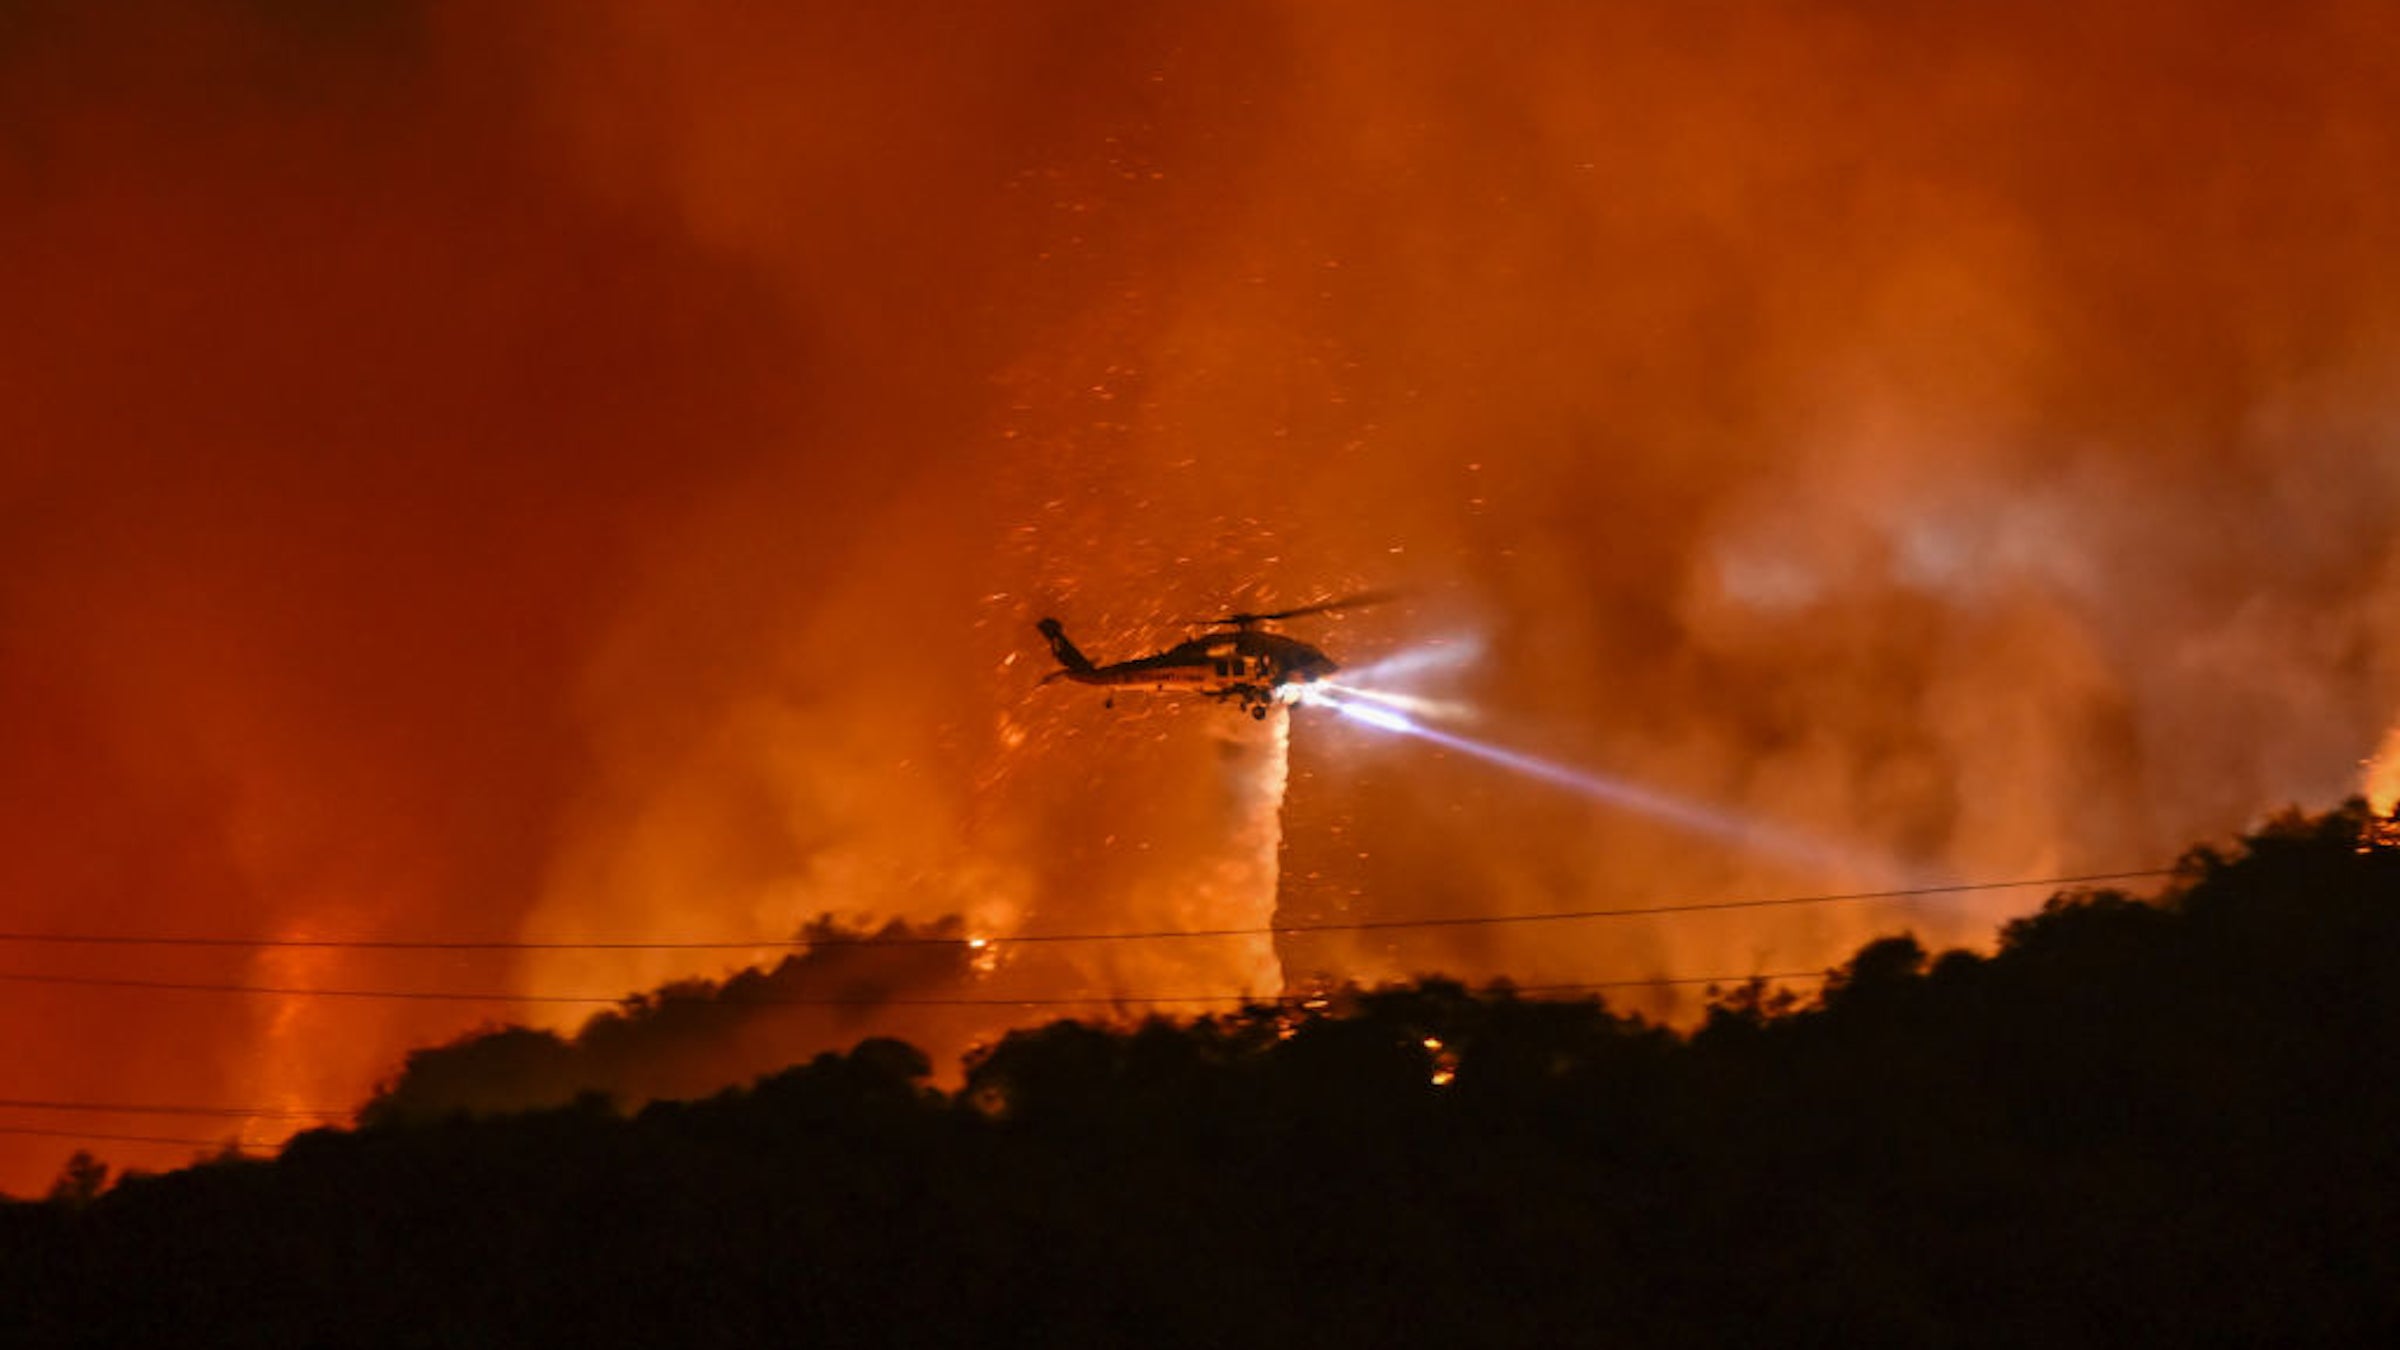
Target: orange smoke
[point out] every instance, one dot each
(590, 473)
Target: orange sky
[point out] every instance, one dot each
(592, 472)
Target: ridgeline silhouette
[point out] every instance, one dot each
(691, 1037)
(2135, 1121)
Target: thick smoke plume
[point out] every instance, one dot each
(588, 470)
(692, 1037)
(941, 987)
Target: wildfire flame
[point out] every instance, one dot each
(2380, 785)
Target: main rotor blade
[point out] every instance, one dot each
(1358, 601)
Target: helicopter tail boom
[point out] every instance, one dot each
(1076, 662)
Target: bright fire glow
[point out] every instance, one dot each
(1445, 1062)
(2380, 785)
(2381, 782)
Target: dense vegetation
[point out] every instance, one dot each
(2133, 1122)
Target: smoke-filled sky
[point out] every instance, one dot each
(590, 469)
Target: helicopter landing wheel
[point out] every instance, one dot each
(1259, 711)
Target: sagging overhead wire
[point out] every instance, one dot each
(1145, 935)
(328, 1113)
(104, 1137)
(1295, 999)
(336, 1115)
(150, 1109)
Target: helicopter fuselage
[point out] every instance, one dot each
(1246, 666)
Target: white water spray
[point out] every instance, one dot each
(1241, 889)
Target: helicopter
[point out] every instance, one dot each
(1247, 666)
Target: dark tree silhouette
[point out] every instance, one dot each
(2132, 1121)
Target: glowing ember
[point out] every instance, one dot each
(1445, 1062)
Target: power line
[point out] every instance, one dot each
(1563, 915)
(1148, 935)
(146, 1109)
(281, 991)
(850, 1001)
(337, 1114)
(1103, 1000)
(1301, 999)
(97, 1136)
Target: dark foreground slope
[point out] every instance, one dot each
(2134, 1122)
